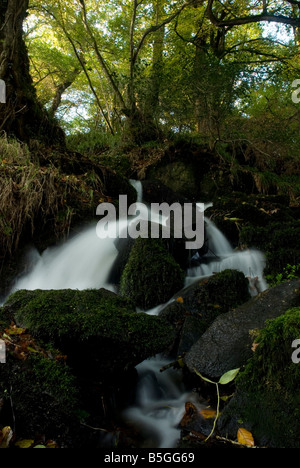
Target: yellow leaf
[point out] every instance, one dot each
(245, 437)
(24, 444)
(208, 413)
(180, 300)
(7, 435)
(51, 444)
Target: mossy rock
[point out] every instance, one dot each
(267, 398)
(227, 343)
(99, 331)
(151, 276)
(178, 176)
(197, 306)
(40, 396)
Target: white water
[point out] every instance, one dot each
(222, 256)
(160, 404)
(139, 189)
(84, 262)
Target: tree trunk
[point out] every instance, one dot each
(157, 59)
(22, 116)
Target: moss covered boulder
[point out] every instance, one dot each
(99, 331)
(151, 276)
(267, 400)
(39, 394)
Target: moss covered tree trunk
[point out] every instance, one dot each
(21, 116)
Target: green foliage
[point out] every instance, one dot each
(185, 77)
(225, 379)
(289, 272)
(267, 396)
(271, 366)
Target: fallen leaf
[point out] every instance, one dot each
(24, 444)
(190, 410)
(208, 413)
(180, 300)
(245, 437)
(13, 330)
(229, 376)
(7, 435)
(51, 444)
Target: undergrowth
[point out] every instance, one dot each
(35, 196)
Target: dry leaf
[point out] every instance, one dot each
(24, 444)
(7, 435)
(190, 410)
(245, 437)
(208, 413)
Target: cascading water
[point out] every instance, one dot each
(160, 404)
(85, 262)
(221, 256)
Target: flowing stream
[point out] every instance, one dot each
(85, 261)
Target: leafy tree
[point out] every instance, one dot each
(22, 115)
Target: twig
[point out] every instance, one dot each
(94, 428)
(224, 439)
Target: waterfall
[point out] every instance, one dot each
(139, 189)
(82, 262)
(160, 404)
(221, 256)
(85, 262)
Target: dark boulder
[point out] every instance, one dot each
(196, 307)
(267, 391)
(227, 343)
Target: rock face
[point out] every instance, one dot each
(267, 391)
(197, 306)
(227, 343)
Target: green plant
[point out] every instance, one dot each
(224, 380)
(289, 272)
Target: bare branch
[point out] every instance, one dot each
(295, 22)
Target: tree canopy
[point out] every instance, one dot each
(146, 69)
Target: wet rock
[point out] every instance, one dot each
(228, 341)
(196, 307)
(267, 391)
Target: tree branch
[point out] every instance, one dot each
(251, 18)
(156, 27)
